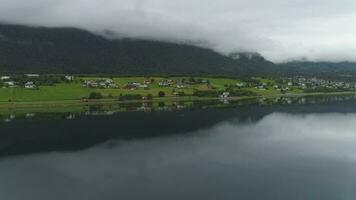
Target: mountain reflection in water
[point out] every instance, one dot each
(277, 156)
(294, 149)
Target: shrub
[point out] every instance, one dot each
(161, 94)
(241, 92)
(130, 97)
(181, 93)
(206, 93)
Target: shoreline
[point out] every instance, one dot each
(65, 103)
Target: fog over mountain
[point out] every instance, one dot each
(280, 30)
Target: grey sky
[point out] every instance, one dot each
(278, 29)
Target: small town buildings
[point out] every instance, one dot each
(133, 86)
(90, 84)
(166, 83)
(102, 84)
(147, 82)
(106, 83)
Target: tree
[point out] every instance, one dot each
(95, 95)
(128, 97)
(161, 94)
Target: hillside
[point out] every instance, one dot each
(332, 70)
(68, 50)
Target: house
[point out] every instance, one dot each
(204, 81)
(9, 84)
(32, 75)
(30, 115)
(181, 86)
(240, 84)
(144, 86)
(133, 86)
(4, 78)
(30, 85)
(69, 78)
(225, 95)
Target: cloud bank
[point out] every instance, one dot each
(279, 29)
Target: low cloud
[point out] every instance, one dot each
(280, 30)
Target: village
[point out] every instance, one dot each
(180, 86)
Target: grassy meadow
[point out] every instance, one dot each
(75, 91)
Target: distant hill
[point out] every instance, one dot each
(337, 70)
(68, 50)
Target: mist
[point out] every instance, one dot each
(280, 30)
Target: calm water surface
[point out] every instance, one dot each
(253, 152)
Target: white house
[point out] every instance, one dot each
(30, 85)
(32, 75)
(225, 95)
(9, 83)
(4, 78)
(240, 84)
(69, 78)
(180, 86)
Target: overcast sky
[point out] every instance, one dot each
(279, 29)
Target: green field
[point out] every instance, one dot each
(76, 91)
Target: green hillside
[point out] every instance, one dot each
(68, 50)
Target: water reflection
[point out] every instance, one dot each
(11, 114)
(279, 156)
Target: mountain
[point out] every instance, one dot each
(26, 49)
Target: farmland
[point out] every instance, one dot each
(57, 88)
(75, 90)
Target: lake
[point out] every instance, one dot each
(255, 151)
